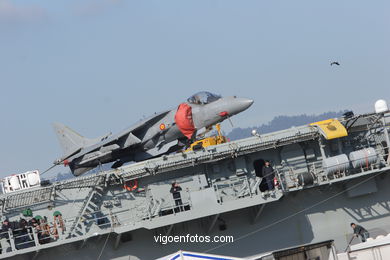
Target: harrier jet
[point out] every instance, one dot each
(159, 134)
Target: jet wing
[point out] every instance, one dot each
(130, 138)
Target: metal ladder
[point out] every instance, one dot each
(89, 206)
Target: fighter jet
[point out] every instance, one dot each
(159, 134)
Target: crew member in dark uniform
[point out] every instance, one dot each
(360, 231)
(175, 190)
(269, 175)
(4, 237)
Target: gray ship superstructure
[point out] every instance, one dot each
(329, 173)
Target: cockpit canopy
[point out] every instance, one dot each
(203, 98)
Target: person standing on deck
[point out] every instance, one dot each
(175, 190)
(360, 231)
(269, 175)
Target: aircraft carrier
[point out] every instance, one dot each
(328, 174)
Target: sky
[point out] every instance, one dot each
(100, 66)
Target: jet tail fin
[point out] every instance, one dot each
(70, 140)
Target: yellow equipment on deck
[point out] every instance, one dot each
(208, 141)
(331, 128)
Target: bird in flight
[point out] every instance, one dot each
(334, 63)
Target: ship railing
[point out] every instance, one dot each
(158, 207)
(168, 205)
(124, 217)
(6, 241)
(243, 186)
(382, 161)
(100, 218)
(174, 208)
(22, 238)
(32, 236)
(280, 180)
(92, 225)
(236, 187)
(384, 152)
(10, 242)
(291, 177)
